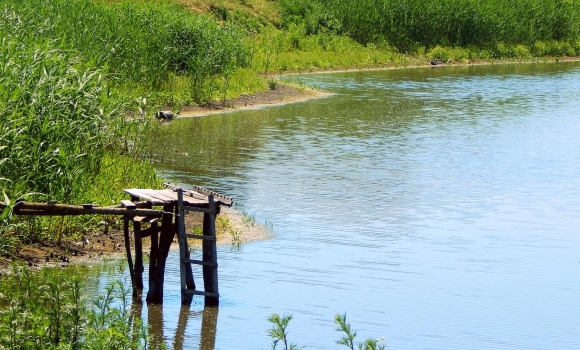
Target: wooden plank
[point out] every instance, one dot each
(157, 194)
(209, 238)
(200, 210)
(198, 199)
(205, 192)
(148, 232)
(199, 292)
(128, 204)
(29, 208)
(200, 262)
(138, 193)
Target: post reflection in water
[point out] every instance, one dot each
(155, 325)
(136, 311)
(208, 328)
(207, 337)
(181, 325)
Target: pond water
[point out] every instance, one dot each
(439, 208)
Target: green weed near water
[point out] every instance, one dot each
(279, 334)
(49, 310)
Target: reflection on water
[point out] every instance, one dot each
(438, 208)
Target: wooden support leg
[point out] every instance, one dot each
(138, 257)
(185, 271)
(128, 251)
(154, 253)
(210, 274)
(155, 293)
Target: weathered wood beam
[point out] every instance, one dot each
(30, 208)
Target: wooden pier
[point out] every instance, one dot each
(175, 203)
(164, 224)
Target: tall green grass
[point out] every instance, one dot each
(410, 24)
(147, 43)
(50, 310)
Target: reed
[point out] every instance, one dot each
(410, 24)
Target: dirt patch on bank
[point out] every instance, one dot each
(233, 228)
(283, 94)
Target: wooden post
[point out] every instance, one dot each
(155, 293)
(128, 251)
(138, 256)
(210, 274)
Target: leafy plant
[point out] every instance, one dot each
(348, 338)
(279, 331)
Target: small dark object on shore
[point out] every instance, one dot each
(165, 115)
(435, 62)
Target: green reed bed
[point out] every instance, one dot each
(411, 24)
(141, 44)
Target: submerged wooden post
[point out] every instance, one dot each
(210, 274)
(128, 251)
(153, 255)
(138, 255)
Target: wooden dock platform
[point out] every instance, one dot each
(164, 223)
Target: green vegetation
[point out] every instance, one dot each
(80, 80)
(49, 310)
(411, 25)
(279, 334)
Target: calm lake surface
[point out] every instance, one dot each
(439, 208)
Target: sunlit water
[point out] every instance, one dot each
(439, 208)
